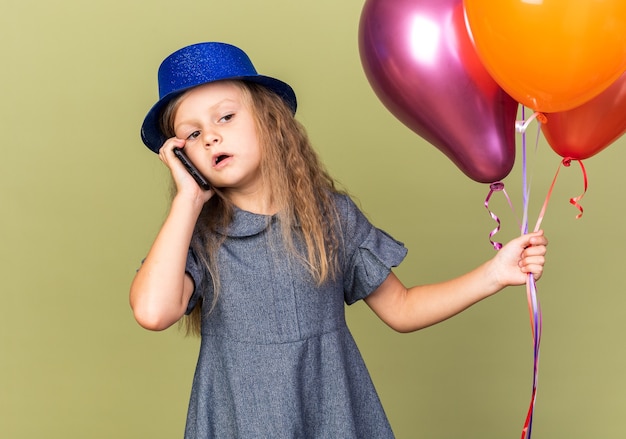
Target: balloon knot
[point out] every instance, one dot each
(521, 125)
(567, 161)
(497, 186)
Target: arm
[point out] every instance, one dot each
(161, 289)
(409, 309)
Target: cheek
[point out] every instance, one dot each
(254, 145)
(198, 155)
(258, 153)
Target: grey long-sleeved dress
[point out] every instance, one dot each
(276, 358)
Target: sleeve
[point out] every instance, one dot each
(370, 254)
(198, 273)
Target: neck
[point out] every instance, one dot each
(255, 202)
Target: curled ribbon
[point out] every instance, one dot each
(566, 162)
(498, 186)
(574, 201)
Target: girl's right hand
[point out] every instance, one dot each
(185, 183)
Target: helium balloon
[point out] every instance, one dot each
(550, 55)
(420, 62)
(586, 130)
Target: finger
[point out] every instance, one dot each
(534, 250)
(166, 152)
(538, 240)
(536, 270)
(533, 260)
(532, 264)
(539, 234)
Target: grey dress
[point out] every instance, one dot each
(276, 357)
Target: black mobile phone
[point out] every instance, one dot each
(202, 182)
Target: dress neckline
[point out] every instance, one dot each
(246, 223)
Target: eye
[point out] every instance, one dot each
(227, 118)
(193, 135)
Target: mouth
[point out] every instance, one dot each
(219, 158)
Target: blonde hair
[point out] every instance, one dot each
(299, 185)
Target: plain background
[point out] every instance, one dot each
(82, 199)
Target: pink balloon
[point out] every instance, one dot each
(420, 62)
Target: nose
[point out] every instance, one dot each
(211, 137)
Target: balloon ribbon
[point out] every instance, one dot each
(534, 307)
(573, 201)
(498, 186)
(536, 323)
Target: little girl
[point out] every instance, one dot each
(262, 263)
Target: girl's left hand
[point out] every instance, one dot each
(519, 257)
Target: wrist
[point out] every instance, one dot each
(191, 203)
(493, 277)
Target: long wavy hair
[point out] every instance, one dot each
(299, 184)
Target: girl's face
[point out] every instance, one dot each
(217, 124)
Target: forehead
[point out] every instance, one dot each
(214, 92)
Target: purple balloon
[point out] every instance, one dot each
(420, 61)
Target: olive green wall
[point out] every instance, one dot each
(82, 198)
